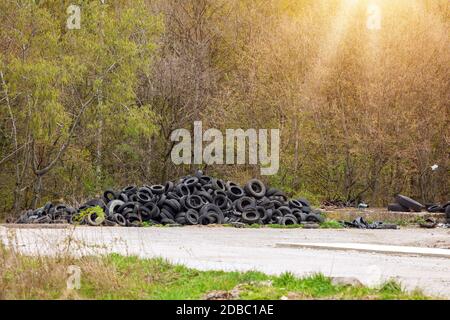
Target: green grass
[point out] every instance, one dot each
(158, 279)
(281, 226)
(331, 224)
(119, 277)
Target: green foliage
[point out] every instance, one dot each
(351, 127)
(285, 181)
(97, 211)
(51, 73)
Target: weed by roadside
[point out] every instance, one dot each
(331, 224)
(119, 277)
(280, 226)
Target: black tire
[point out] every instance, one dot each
(207, 198)
(313, 217)
(210, 207)
(434, 208)
(47, 207)
(221, 201)
(174, 195)
(266, 203)
(168, 186)
(144, 212)
(255, 188)
(295, 204)
(182, 190)
(129, 189)
(94, 220)
(251, 216)
(113, 206)
(166, 214)
(447, 213)
(162, 198)
(306, 209)
(204, 180)
(181, 218)
(235, 192)
(304, 202)
(173, 204)
(157, 189)
(204, 220)
(147, 190)
(194, 202)
(109, 195)
(445, 206)
(301, 217)
(134, 220)
(409, 203)
(230, 184)
(43, 219)
(94, 203)
(167, 221)
(191, 182)
(396, 207)
(289, 219)
(270, 192)
(263, 215)
(143, 197)
(219, 193)
(243, 203)
(123, 197)
(285, 210)
(218, 184)
(154, 209)
(268, 216)
(276, 215)
(214, 218)
(191, 217)
(126, 206)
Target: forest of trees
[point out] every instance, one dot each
(363, 114)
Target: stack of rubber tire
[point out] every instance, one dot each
(406, 204)
(197, 199)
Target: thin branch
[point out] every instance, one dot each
(9, 156)
(40, 172)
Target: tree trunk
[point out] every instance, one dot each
(37, 192)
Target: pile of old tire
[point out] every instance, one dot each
(406, 204)
(197, 199)
(49, 213)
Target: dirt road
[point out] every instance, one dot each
(255, 249)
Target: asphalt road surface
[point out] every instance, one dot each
(226, 248)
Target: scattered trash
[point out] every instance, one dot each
(429, 223)
(363, 206)
(197, 199)
(434, 208)
(360, 223)
(405, 204)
